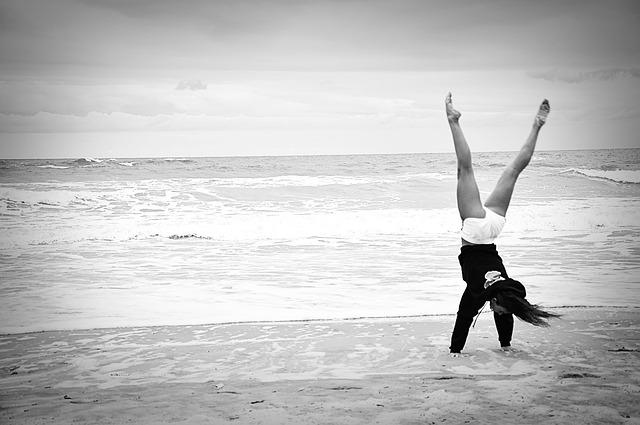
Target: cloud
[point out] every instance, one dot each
(575, 77)
(282, 95)
(276, 101)
(99, 122)
(106, 39)
(191, 85)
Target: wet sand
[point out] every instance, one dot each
(585, 368)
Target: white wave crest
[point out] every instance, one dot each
(61, 167)
(544, 219)
(618, 176)
(579, 216)
(324, 180)
(254, 227)
(25, 197)
(89, 159)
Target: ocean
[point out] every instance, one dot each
(88, 243)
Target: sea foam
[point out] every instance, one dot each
(95, 242)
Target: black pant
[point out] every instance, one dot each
(469, 307)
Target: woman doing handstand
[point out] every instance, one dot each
(482, 267)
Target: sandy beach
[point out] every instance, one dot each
(364, 371)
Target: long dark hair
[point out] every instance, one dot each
(523, 310)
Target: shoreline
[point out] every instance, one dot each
(391, 370)
(310, 320)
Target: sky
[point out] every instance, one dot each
(140, 78)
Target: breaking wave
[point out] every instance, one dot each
(613, 175)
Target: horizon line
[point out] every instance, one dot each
(299, 155)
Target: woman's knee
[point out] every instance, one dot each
(509, 176)
(464, 170)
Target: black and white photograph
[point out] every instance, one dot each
(312, 212)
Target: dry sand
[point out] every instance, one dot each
(584, 369)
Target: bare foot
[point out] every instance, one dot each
(452, 114)
(543, 113)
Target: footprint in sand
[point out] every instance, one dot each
(493, 362)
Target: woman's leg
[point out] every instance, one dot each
(469, 203)
(500, 198)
